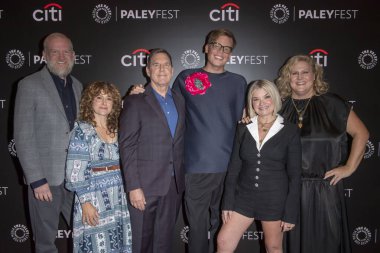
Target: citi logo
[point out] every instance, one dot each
(320, 56)
(137, 58)
(227, 12)
(50, 12)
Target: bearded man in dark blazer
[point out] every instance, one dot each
(151, 138)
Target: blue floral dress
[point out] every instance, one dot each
(104, 190)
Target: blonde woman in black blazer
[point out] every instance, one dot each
(263, 179)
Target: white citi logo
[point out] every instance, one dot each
(279, 13)
(370, 150)
(227, 12)
(137, 58)
(20, 233)
(190, 59)
(12, 147)
(361, 235)
(367, 59)
(15, 59)
(50, 12)
(102, 13)
(183, 234)
(320, 56)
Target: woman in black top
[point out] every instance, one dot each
(263, 178)
(324, 120)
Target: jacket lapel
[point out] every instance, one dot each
(151, 99)
(253, 130)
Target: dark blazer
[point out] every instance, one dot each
(147, 148)
(270, 177)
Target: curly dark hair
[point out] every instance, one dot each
(93, 90)
(283, 81)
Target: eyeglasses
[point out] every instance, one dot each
(217, 46)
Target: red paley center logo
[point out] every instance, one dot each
(320, 56)
(137, 58)
(227, 12)
(50, 12)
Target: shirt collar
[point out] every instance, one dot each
(168, 93)
(59, 80)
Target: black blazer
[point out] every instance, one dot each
(279, 175)
(147, 149)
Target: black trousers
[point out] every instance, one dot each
(202, 204)
(153, 228)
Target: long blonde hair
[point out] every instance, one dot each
(283, 81)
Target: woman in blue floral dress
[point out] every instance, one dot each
(101, 220)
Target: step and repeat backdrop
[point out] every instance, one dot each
(112, 38)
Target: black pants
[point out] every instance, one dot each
(153, 228)
(202, 204)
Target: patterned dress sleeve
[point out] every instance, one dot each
(78, 174)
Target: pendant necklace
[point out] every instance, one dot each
(301, 111)
(263, 127)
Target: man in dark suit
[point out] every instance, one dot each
(151, 140)
(46, 107)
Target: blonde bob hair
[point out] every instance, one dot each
(270, 88)
(283, 81)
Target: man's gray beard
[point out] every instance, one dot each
(61, 73)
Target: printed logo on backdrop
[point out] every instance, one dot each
(247, 59)
(12, 148)
(2, 102)
(367, 59)
(253, 235)
(1, 14)
(15, 59)
(3, 190)
(369, 150)
(183, 234)
(361, 235)
(348, 192)
(279, 13)
(326, 14)
(50, 12)
(320, 56)
(20, 233)
(227, 12)
(80, 59)
(101, 14)
(64, 234)
(190, 59)
(149, 14)
(136, 59)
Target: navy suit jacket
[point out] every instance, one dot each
(147, 149)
